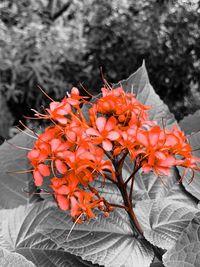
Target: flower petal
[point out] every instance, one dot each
(110, 124)
(44, 169)
(101, 122)
(142, 139)
(33, 154)
(113, 135)
(107, 145)
(63, 202)
(61, 119)
(92, 131)
(168, 162)
(60, 166)
(160, 155)
(54, 105)
(154, 136)
(38, 179)
(63, 190)
(171, 140)
(55, 143)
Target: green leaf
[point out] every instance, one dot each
(14, 159)
(18, 233)
(164, 219)
(186, 251)
(193, 187)
(106, 241)
(138, 84)
(10, 259)
(191, 123)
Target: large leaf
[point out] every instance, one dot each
(11, 185)
(163, 207)
(18, 233)
(191, 123)
(150, 186)
(186, 251)
(138, 83)
(194, 186)
(163, 220)
(10, 259)
(107, 241)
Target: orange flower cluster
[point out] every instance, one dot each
(77, 149)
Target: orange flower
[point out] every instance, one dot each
(104, 132)
(154, 156)
(78, 148)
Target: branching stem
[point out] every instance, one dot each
(136, 169)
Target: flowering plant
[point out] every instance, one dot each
(112, 163)
(77, 150)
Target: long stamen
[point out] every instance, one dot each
(20, 147)
(37, 193)
(26, 127)
(52, 168)
(25, 133)
(104, 80)
(20, 172)
(87, 91)
(74, 224)
(45, 93)
(38, 113)
(33, 118)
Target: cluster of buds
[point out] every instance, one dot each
(77, 148)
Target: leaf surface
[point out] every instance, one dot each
(163, 220)
(186, 251)
(106, 241)
(14, 159)
(150, 186)
(191, 123)
(10, 259)
(193, 187)
(18, 233)
(163, 208)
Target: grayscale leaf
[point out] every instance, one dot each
(18, 233)
(193, 187)
(163, 220)
(186, 251)
(106, 241)
(14, 159)
(191, 123)
(13, 259)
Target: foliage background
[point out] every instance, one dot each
(57, 44)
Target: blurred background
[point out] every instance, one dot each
(57, 44)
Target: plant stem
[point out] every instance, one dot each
(136, 169)
(127, 203)
(117, 205)
(127, 198)
(133, 219)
